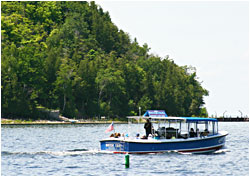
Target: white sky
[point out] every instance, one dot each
(211, 36)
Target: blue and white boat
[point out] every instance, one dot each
(169, 134)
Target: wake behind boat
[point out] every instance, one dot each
(181, 134)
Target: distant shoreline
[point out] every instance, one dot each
(60, 123)
(49, 122)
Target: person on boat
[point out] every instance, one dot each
(137, 136)
(117, 135)
(205, 133)
(148, 127)
(192, 133)
(112, 135)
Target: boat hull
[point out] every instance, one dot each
(190, 145)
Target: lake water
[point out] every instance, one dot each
(74, 150)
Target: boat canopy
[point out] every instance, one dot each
(199, 119)
(184, 119)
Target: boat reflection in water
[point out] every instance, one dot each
(179, 134)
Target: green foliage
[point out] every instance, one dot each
(70, 56)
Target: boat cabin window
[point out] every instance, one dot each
(204, 128)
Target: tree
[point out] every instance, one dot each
(71, 56)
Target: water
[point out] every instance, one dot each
(74, 150)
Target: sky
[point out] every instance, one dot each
(212, 36)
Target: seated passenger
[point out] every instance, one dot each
(205, 133)
(137, 136)
(117, 135)
(112, 135)
(192, 133)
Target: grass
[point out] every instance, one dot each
(17, 121)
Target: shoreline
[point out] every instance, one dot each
(50, 122)
(79, 122)
(61, 123)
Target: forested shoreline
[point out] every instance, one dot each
(70, 56)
